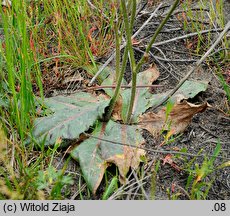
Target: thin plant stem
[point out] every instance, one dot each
(118, 52)
(128, 50)
(118, 86)
(123, 45)
(142, 60)
(128, 29)
(120, 74)
(136, 68)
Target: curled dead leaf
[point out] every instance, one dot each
(177, 120)
(130, 158)
(150, 75)
(116, 115)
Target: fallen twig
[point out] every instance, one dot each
(139, 186)
(122, 86)
(186, 36)
(154, 150)
(174, 60)
(184, 11)
(208, 131)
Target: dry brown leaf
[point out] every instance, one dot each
(130, 158)
(178, 119)
(168, 160)
(152, 74)
(116, 115)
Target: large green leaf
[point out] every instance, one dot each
(71, 116)
(94, 155)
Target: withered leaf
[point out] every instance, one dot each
(176, 121)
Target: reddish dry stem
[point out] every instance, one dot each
(123, 86)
